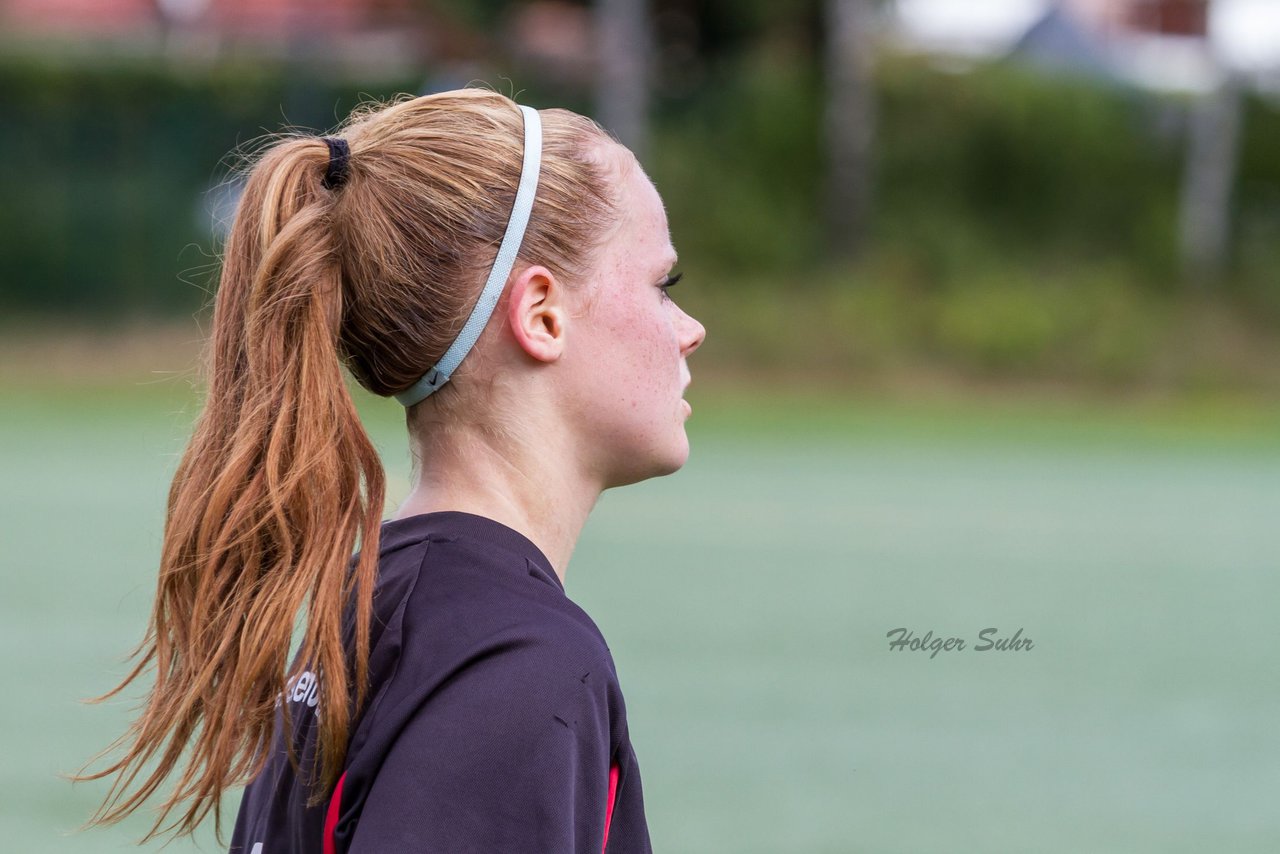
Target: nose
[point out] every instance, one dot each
(692, 334)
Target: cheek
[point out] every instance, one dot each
(633, 366)
(643, 343)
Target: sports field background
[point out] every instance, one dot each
(746, 601)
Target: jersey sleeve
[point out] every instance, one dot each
(511, 754)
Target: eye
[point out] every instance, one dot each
(669, 282)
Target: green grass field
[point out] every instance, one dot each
(747, 601)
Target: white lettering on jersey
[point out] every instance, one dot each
(303, 688)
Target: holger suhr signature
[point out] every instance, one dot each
(904, 639)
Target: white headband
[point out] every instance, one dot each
(439, 375)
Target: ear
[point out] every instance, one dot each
(536, 313)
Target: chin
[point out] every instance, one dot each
(677, 457)
(668, 461)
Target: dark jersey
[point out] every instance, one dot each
(495, 722)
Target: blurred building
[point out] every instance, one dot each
(77, 16)
(265, 18)
(1188, 18)
(1152, 44)
(555, 36)
(1178, 45)
(364, 32)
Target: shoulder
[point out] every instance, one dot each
(500, 702)
(510, 751)
(468, 598)
(530, 650)
(494, 692)
(476, 634)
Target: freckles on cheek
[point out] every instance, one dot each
(640, 366)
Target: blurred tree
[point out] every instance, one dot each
(484, 14)
(849, 119)
(624, 44)
(1213, 145)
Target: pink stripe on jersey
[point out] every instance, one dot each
(608, 810)
(331, 818)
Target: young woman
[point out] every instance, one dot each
(504, 274)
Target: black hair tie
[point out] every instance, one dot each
(339, 157)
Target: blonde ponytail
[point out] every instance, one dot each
(264, 511)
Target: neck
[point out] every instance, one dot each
(528, 491)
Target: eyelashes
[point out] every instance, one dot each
(670, 281)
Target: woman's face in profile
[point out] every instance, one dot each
(629, 349)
